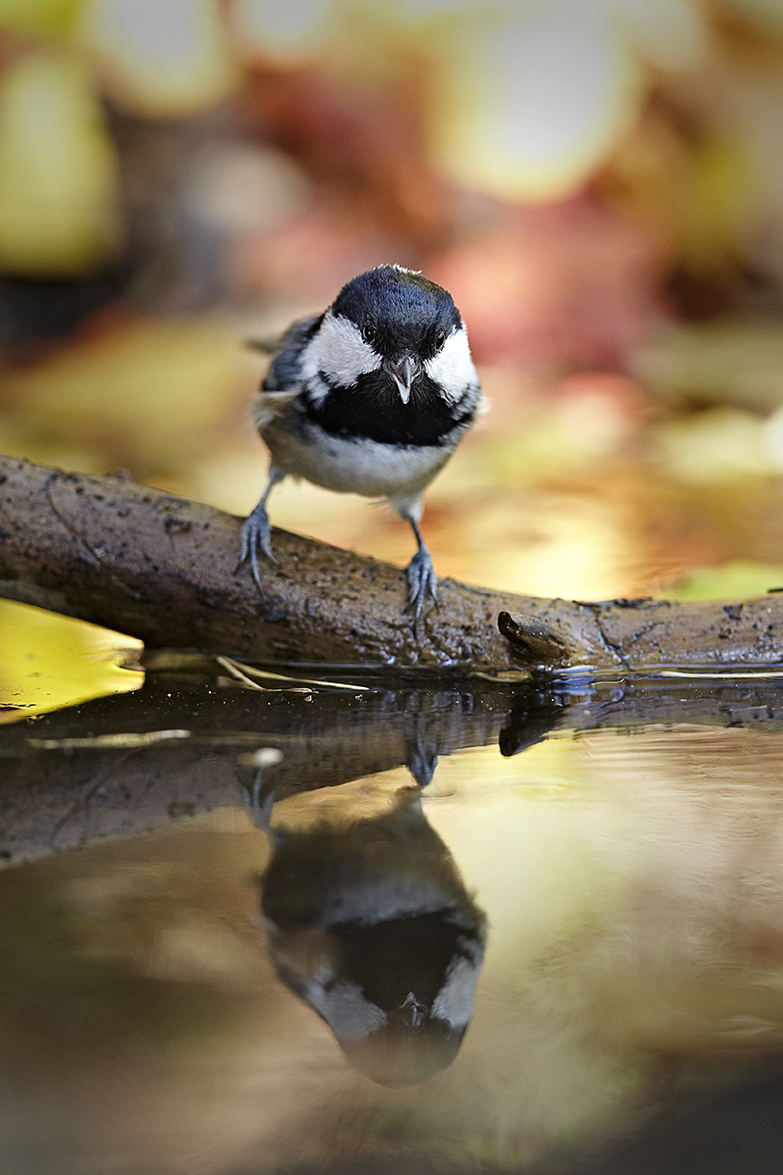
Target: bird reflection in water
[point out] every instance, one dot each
(369, 922)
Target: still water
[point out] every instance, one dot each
(460, 926)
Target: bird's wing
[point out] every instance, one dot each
(268, 404)
(291, 339)
(281, 383)
(266, 346)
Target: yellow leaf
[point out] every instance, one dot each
(59, 212)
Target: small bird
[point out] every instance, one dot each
(368, 921)
(371, 397)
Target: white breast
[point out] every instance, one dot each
(352, 466)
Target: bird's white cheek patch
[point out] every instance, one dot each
(454, 1001)
(344, 1007)
(339, 352)
(452, 367)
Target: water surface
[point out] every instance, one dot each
(208, 969)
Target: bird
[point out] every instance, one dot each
(369, 922)
(370, 397)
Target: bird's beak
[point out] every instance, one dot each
(403, 372)
(412, 1011)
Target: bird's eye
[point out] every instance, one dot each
(440, 338)
(369, 333)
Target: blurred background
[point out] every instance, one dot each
(599, 183)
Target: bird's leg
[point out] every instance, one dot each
(256, 532)
(422, 580)
(259, 801)
(260, 797)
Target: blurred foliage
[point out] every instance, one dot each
(421, 124)
(598, 182)
(59, 209)
(732, 581)
(150, 396)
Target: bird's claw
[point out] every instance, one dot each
(256, 540)
(422, 760)
(422, 583)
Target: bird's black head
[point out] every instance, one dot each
(398, 311)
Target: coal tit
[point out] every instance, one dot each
(369, 922)
(371, 397)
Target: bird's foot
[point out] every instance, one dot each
(256, 541)
(421, 760)
(422, 583)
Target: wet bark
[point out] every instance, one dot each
(164, 569)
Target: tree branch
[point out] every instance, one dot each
(164, 569)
